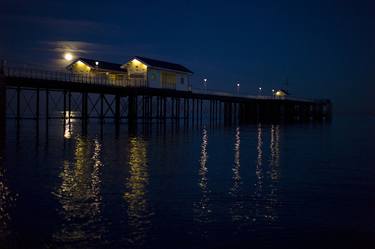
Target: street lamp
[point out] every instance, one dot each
(238, 88)
(273, 92)
(260, 91)
(205, 84)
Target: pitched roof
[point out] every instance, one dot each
(102, 65)
(162, 64)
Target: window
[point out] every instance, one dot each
(182, 80)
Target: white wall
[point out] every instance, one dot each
(154, 78)
(185, 85)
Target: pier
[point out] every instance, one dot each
(36, 94)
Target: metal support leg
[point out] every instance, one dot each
(37, 114)
(101, 106)
(64, 104)
(47, 104)
(70, 105)
(3, 102)
(117, 108)
(18, 115)
(132, 109)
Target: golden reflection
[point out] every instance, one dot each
(7, 200)
(259, 164)
(259, 174)
(275, 152)
(139, 211)
(274, 175)
(68, 124)
(202, 208)
(237, 207)
(267, 179)
(68, 130)
(80, 193)
(236, 166)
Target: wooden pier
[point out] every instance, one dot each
(34, 94)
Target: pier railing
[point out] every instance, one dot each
(71, 77)
(244, 95)
(91, 79)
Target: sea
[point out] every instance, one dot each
(182, 185)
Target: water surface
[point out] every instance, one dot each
(176, 186)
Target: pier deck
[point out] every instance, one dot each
(27, 91)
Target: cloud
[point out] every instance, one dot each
(72, 25)
(81, 47)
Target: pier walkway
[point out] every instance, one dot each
(30, 93)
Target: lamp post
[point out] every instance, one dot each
(260, 91)
(205, 84)
(238, 88)
(273, 92)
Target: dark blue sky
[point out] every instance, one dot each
(325, 48)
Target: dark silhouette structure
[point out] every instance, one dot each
(40, 94)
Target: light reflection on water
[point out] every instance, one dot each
(109, 191)
(202, 208)
(267, 177)
(238, 212)
(69, 124)
(272, 197)
(7, 198)
(80, 194)
(7, 201)
(138, 207)
(259, 172)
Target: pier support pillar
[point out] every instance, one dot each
(3, 97)
(132, 108)
(64, 104)
(117, 108)
(101, 107)
(18, 111)
(201, 110)
(37, 112)
(242, 113)
(47, 104)
(69, 105)
(84, 111)
(282, 111)
(3, 103)
(150, 108)
(227, 113)
(164, 117)
(192, 113)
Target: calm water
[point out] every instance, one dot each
(254, 186)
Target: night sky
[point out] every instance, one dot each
(326, 49)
